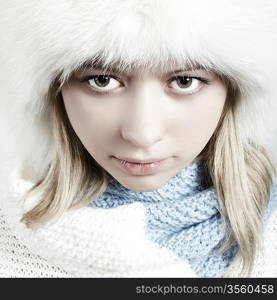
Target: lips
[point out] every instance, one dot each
(140, 167)
(136, 161)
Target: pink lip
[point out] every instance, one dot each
(137, 161)
(136, 167)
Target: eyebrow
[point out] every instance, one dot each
(186, 69)
(100, 65)
(115, 67)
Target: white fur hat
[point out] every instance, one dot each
(41, 39)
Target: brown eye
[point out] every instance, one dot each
(103, 83)
(187, 85)
(184, 82)
(102, 80)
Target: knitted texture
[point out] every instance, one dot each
(97, 242)
(183, 216)
(16, 260)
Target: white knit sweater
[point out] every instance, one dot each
(95, 242)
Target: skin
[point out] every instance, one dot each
(144, 115)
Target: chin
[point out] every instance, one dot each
(146, 185)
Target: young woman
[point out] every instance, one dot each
(138, 138)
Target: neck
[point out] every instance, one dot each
(190, 180)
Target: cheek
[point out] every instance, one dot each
(91, 122)
(200, 118)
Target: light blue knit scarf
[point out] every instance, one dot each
(183, 216)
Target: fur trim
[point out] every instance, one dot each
(41, 39)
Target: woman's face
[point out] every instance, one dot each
(144, 127)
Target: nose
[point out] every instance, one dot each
(142, 124)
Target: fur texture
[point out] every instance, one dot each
(41, 39)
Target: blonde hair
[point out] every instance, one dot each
(73, 179)
(241, 174)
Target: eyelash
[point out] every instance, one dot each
(100, 93)
(201, 79)
(87, 78)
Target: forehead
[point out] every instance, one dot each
(141, 68)
(121, 67)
